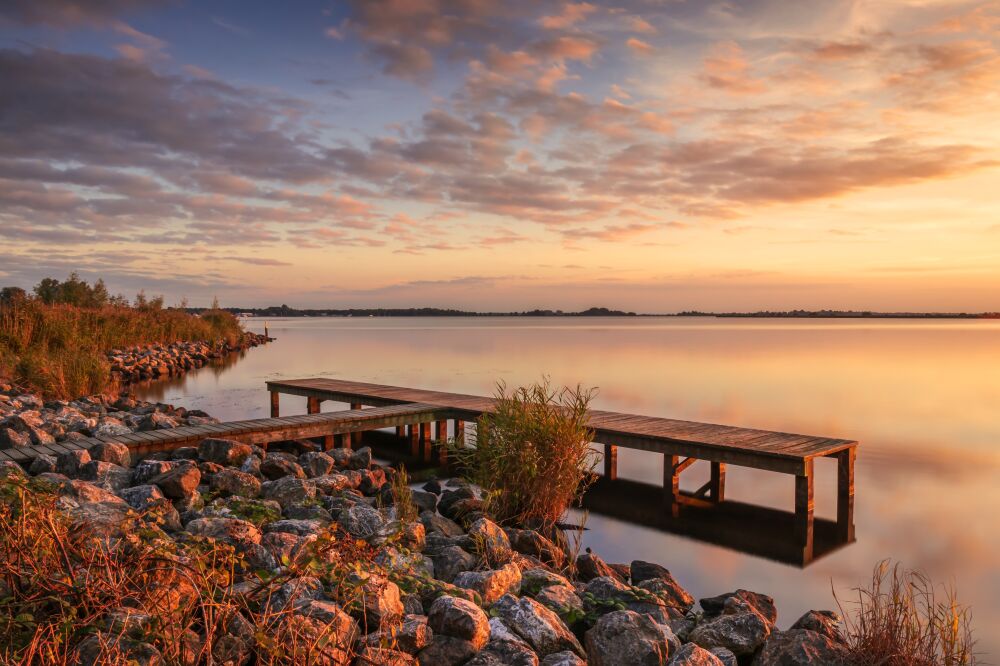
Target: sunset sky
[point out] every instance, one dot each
(652, 155)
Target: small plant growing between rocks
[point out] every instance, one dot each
(532, 456)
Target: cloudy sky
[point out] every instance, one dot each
(654, 155)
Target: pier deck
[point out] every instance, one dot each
(680, 442)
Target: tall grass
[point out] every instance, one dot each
(60, 350)
(532, 455)
(902, 619)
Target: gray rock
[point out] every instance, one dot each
(761, 603)
(626, 637)
(372, 655)
(230, 530)
(491, 584)
(740, 632)
(107, 475)
(562, 599)
(536, 624)
(43, 463)
(725, 656)
(10, 438)
(459, 618)
(148, 469)
(434, 523)
(180, 482)
(425, 501)
(69, 463)
(802, 647)
(564, 658)
(490, 541)
(822, 622)
(362, 521)
(277, 466)
(111, 452)
(230, 481)
(446, 651)
(289, 491)
(316, 463)
(360, 459)
(381, 603)
(605, 593)
(692, 655)
(451, 562)
(299, 527)
(227, 452)
(141, 497)
(299, 590)
(590, 566)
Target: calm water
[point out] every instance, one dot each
(922, 397)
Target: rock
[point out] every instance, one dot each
(492, 583)
(502, 652)
(360, 459)
(692, 655)
(111, 452)
(446, 651)
(530, 542)
(741, 632)
(148, 469)
(230, 530)
(297, 527)
(451, 562)
(307, 640)
(157, 421)
(233, 482)
(605, 594)
(316, 464)
(105, 474)
(673, 597)
(226, 452)
(536, 624)
(42, 464)
(362, 521)
(589, 566)
(10, 438)
(434, 523)
(822, 622)
(761, 603)
(424, 501)
(535, 579)
(284, 547)
(802, 647)
(626, 637)
(490, 541)
(141, 497)
(329, 484)
(110, 428)
(380, 599)
(372, 480)
(380, 656)
(299, 590)
(276, 466)
(562, 599)
(179, 482)
(289, 491)
(69, 463)
(458, 618)
(100, 648)
(564, 658)
(725, 656)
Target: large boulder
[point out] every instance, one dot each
(231, 481)
(491, 584)
(537, 625)
(362, 521)
(760, 603)
(278, 465)
(230, 530)
(692, 655)
(802, 647)
(70, 462)
(227, 452)
(289, 491)
(490, 541)
(822, 622)
(626, 637)
(380, 602)
(740, 629)
(452, 561)
(179, 482)
(589, 566)
(459, 618)
(605, 594)
(111, 452)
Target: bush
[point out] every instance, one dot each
(903, 619)
(532, 455)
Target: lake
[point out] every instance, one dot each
(923, 398)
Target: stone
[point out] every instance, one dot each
(231, 481)
(276, 466)
(562, 599)
(530, 542)
(424, 501)
(297, 527)
(564, 658)
(179, 482)
(148, 469)
(98, 649)
(329, 484)
(105, 474)
(740, 632)
(535, 579)
(360, 459)
(111, 452)
(725, 656)
(289, 490)
(141, 497)
(316, 463)
(69, 463)
(605, 594)
(590, 566)
(435, 523)
(226, 452)
(674, 598)
(230, 530)
(692, 655)
(157, 421)
(802, 647)
(284, 547)
(505, 653)
(446, 651)
(626, 637)
(537, 625)
(761, 603)
(10, 438)
(297, 591)
(490, 541)
(307, 640)
(380, 599)
(451, 562)
(381, 656)
(822, 622)
(362, 521)
(459, 618)
(491, 584)
(42, 464)
(109, 428)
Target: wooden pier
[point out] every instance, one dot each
(681, 443)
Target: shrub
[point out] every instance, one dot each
(903, 619)
(532, 455)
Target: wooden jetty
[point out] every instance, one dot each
(681, 443)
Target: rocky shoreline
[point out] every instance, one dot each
(443, 585)
(167, 360)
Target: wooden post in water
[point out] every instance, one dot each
(312, 405)
(425, 441)
(355, 436)
(610, 462)
(414, 429)
(275, 400)
(401, 431)
(717, 482)
(845, 493)
(804, 507)
(458, 425)
(671, 484)
(328, 442)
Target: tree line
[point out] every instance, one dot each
(76, 291)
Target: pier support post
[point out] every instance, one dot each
(401, 431)
(312, 405)
(414, 439)
(328, 442)
(459, 427)
(355, 436)
(804, 506)
(610, 462)
(845, 493)
(275, 400)
(671, 485)
(441, 429)
(425, 442)
(717, 482)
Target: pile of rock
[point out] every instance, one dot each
(449, 588)
(26, 419)
(166, 360)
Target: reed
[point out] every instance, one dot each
(59, 350)
(532, 455)
(901, 618)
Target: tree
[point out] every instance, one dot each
(12, 295)
(48, 290)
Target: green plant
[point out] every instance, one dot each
(532, 455)
(902, 618)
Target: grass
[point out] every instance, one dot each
(532, 455)
(63, 586)
(902, 619)
(402, 497)
(60, 350)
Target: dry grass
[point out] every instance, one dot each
(59, 350)
(402, 497)
(532, 455)
(64, 587)
(903, 619)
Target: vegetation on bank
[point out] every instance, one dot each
(532, 456)
(55, 341)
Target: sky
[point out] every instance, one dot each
(649, 155)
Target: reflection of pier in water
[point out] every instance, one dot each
(747, 528)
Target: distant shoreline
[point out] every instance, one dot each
(285, 311)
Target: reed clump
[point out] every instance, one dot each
(60, 350)
(901, 618)
(532, 456)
